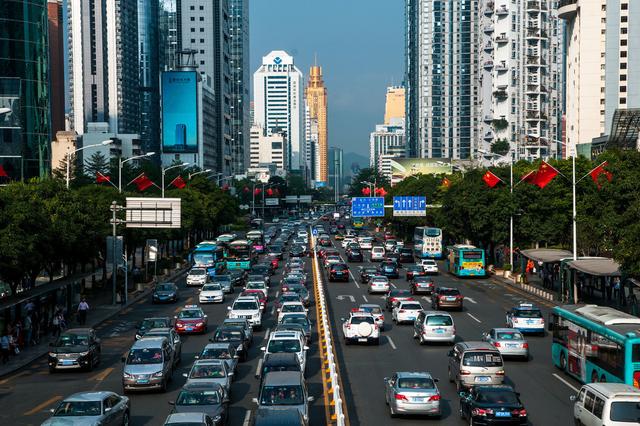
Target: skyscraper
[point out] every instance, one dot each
(602, 64)
(394, 106)
(24, 87)
(441, 77)
(336, 170)
(56, 65)
(148, 51)
(278, 102)
(167, 35)
(316, 100)
(240, 82)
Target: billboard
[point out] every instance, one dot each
(180, 111)
(404, 167)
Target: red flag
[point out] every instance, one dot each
(529, 177)
(446, 183)
(545, 174)
(380, 192)
(366, 191)
(595, 174)
(100, 178)
(491, 179)
(142, 182)
(178, 182)
(3, 172)
(246, 189)
(257, 191)
(269, 192)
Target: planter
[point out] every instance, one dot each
(506, 274)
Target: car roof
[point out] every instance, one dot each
(283, 378)
(611, 390)
(89, 396)
(288, 334)
(190, 417)
(471, 345)
(208, 362)
(491, 388)
(157, 330)
(506, 330)
(201, 385)
(406, 374)
(215, 345)
(77, 331)
(149, 342)
(285, 416)
(280, 358)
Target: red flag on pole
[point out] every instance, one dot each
(595, 174)
(546, 173)
(100, 178)
(142, 182)
(269, 192)
(491, 179)
(3, 172)
(380, 192)
(178, 182)
(529, 177)
(366, 191)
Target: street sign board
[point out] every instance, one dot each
(367, 206)
(119, 248)
(410, 206)
(305, 198)
(152, 250)
(153, 212)
(291, 199)
(271, 201)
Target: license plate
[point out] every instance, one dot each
(411, 318)
(503, 414)
(143, 382)
(483, 379)
(512, 345)
(451, 299)
(67, 362)
(362, 340)
(189, 328)
(439, 331)
(338, 273)
(417, 399)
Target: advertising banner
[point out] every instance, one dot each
(402, 168)
(179, 112)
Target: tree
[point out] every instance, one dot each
(367, 175)
(500, 147)
(97, 163)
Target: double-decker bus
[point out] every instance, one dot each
(427, 242)
(209, 255)
(240, 255)
(596, 343)
(466, 261)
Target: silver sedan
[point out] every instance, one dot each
(93, 408)
(508, 341)
(412, 393)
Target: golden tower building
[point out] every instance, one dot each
(394, 107)
(316, 96)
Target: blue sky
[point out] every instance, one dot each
(359, 44)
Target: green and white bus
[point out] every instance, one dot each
(596, 343)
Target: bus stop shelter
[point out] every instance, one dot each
(547, 262)
(584, 275)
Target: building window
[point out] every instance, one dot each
(623, 65)
(623, 42)
(624, 6)
(201, 40)
(623, 88)
(201, 62)
(201, 7)
(623, 100)
(192, 8)
(623, 77)
(193, 40)
(201, 30)
(193, 30)
(202, 51)
(202, 18)
(193, 18)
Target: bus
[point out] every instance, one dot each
(257, 240)
(466, 261)
(209, 255)
(596, 343)
(358, 223)
(427, 242)
(240, 255)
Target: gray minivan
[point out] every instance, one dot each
(284, 389)
(475, 363)
(434, 326)
(148, 365)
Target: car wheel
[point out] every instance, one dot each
(376, 341)
(449, 375)
(563, 362)
(421, 340)
(163, 388)
(52, 370)
(347, 342)
(125, 419)
(392, 413)
(90, 364)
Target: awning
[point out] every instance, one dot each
(597, 266)
(546, 255)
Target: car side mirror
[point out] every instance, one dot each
(342, 319)
(573, 398)
(263, 348)
(50, 344)
(185, 375)
(107, 409)
(311, 399)
(175, 317)
(171, 402)
(228, 308)
(386, 379)
(254, 400)
(236, 357)
(225, 399)
(197, 357)
(52, 410)
(436, 380)
(306, 348)
(230, 374)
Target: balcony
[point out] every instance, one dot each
(488, 65)
(488, 11)
(488, 29)
(533, 7)
(502, 67)
(502, 86)
(502, 11)
(488, 47)
(488, 119)
(488, 136)
(500, 95)
(567, 9)
(502, 38)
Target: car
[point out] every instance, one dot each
(91, 408)
(405, 255)
(75, 348)
(211, 293)
(226, 351)
(508, 341)
(197, 276)
(492, 405)
(240, 322)
(276, 250)
(447, 297)
(414, 271)
(374, 310)
(607, 404)
(378, 284)
(236, 335)
(288, 281)
(274, 262)
(247, 307)
(286, 296)
(388, 236)
(208, 398)
(341, 226)
(430, 266)
(338, 272)
(338, 236)
(473, 363)
(434, 326)
(188, 419)
(360, 327)
(301, 291)
(333, 230)
(256, 283)
(165, 292)
(238, 277)
(329, 260)
(152, 322)
(324, 240)
(191, 319)
(258, 294)
(412, 392)
(330, 252)
(366, 243)
(210, 371)
(298, 319)
(282, 416)
(291, 308)
(288, 342)
(355, 256)
(421, 284)
(526, 318)
(284, 389)
(390, 244)
(148, 364)
(224, 281)
(366, 272)
(388, 269)
(262, 269)
(348, 240)
(396, 295)
(377, 253)
(281, 361)
(172, 337)
(406, 311)
(297, 251)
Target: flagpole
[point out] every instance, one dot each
(511, 216)
(575, 226)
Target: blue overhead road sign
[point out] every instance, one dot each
(367, 207)
(410, 206)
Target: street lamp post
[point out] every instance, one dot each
(69, 154)
(121, 163)
(371, 187)
(164, 171)
(197, 173)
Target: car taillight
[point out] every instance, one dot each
(496, 344)
(435, 397)
(441, 296)
(381, 317)
(500, 373)
(401, 397)
(481, 411)
(401, 311)
(465, 372)
(521, 413)
(525, 345)
(333, 271)
(459, 297)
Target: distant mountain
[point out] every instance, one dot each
(353, 162)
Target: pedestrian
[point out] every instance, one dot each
(83, 308)
(5, 347)
(28, 330)
(56, 322)
(616, 288)
(29, 307)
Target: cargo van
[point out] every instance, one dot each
(606, 404)
(475, 363)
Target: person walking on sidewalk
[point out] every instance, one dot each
(5, 347)
(28, 330)
(83, 309)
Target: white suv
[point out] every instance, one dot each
(289, 341)
(430, 266)
(197, 276)
(247, 307)
(360, 328)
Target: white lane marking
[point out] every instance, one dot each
(427, 299)
(259, 368)
(277, 294)
(266, 334)
(365, 298)
(343, 296)
(393, 345)
(566, 382)
(476, 319)
(470, 300)
(354, 280)
(393, 285)
(273, 310)
(247, 418)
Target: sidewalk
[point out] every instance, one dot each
(531, 288)
(101, 311)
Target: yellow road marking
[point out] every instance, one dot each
(102, 375)
(187, 302)
(15, 376)
(42, 406)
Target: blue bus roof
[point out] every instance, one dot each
(608, 321)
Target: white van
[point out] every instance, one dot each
(607, 404)
(377, 254)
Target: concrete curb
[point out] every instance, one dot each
(535, 291)
(29, 356)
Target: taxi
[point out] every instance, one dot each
(191, 319)
(526, 318)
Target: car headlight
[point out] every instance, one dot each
(84, 353)
(127, 375)
(217, 418)
(138, 336)
(53, 354)
(158, 374)
(239, 348)
(199, 324)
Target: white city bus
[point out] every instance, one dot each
(427, 242)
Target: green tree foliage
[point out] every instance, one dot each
(367, 175)
(500, 147)
(97, 163)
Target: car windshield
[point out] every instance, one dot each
(190, 313)
(439, 320)
(282, 395)
(509, 335)
(340, 267)
(414, 268)
(144, 356)
(295, 319)
(497, 396)
(79, 408)
(625, 412)
(245, 306)
(197, 272)
(215, 353)
(388, 265)
(482, 359)
(293, 308)
(449, 292)
(70, 339)
(416, 383)
(256, 285)
(211, 287)
(411, 306)
(154, 323)
(211, 371)
(284, 345)
(528, 313)
(400, 293)
(260, 269)
(222, 279)
(164, 287)
(289, 298)
(369, 270)
(358, 320)
(371, 309)
(187, 397)
(227, 335)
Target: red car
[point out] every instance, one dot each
(191, 319)
(262, 298)
(388, 236)
(275, 263)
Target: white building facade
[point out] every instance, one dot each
(268, 149)
(387, 139)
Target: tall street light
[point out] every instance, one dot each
(164, 171)
(121, 163)
(69, 154)
(197, 173)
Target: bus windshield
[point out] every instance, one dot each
(432, 232)
(472, 254)
(239, 251)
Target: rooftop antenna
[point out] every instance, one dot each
(315, 59)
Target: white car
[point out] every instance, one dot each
(377, 254)
(257, 285)
(330, 260)
(291, 308)
(360, 328)
(374, 310)
(247, 307)
(288, 341)
(429, 265)
(378, 284)
(347, 240)
(197, 276)
(406, 311)
(366, 243)
(211, 293)
(390, 245)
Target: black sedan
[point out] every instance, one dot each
(152, 322)
(76, 348)
(405, 255)
(415, 271)
(366, 273)
(297, 251)
(165, 292)
(276, 250)
(261, 269)
(339, 272)
(492, 405)
(355, 256)
(238, 277)
(209, 398)
(236, 335)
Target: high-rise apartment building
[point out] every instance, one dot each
(168, 37)
(24, 88)
(240, 83)
(520, 64)
(602, 64)
(316, 100)
(278, 102)
(56, 65)
(387, 139)
(149, 60)
(441, 77)
(395, 104)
